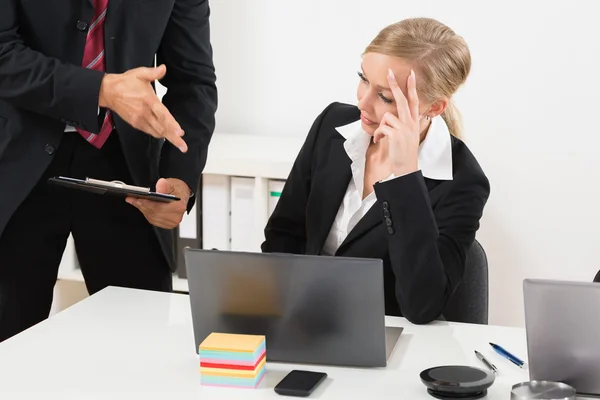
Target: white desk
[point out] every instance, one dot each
(132, 344)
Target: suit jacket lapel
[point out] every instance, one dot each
(113, 8)
(370, 220)
(331, 185)
(110, 28)
(431, 184)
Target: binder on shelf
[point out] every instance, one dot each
(216, 212)
(275, 189)
(242, 215)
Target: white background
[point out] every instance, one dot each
(529, 110)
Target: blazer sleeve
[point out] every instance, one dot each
(286, 228)
(44, 85)
(191, 95)
(428, 247)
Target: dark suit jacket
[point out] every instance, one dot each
(43, 87)
(422, 229)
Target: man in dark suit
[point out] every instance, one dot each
(77, 99)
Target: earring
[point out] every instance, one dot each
(427, 117)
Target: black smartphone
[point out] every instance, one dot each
(299, 383)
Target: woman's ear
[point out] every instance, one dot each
(438, 107)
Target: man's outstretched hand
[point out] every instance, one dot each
(165, 215)
(131, 96)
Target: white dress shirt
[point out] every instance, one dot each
(435, 162)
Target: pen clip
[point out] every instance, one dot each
(118, 185)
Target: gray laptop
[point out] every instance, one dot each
(312, 309)
(562, 320)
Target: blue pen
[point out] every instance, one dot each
(500, 350)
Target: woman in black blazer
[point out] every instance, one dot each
(390, 178)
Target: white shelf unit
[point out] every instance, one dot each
(261, 158)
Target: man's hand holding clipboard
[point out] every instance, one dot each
(164, 215)
(163, 208)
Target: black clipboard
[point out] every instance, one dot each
(116, 188)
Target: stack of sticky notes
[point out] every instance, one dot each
(232, 360)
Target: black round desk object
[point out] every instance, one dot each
(457, 382)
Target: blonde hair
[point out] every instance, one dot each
(439, 56)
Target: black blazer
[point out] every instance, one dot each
(423, 243)
(42, 87)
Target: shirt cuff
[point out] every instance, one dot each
(389, 178)
(392, 177)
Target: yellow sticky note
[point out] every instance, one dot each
(232, 342)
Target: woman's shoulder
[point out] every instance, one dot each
(466, 167)
(338, 114)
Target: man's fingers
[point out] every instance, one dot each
(133, 202)
(164, 186)
(146, 125)
(141, 118)
(158, 130)
(172, 131)
(145, 206)
(151, 74)
(149, 212)
(149, 114)
(166, 119)
(164, 224)
(178, 142)
(160, 72)
(148, 208)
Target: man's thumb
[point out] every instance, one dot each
(152, 74)
(164, 186)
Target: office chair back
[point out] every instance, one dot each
(597, 277)
(469, 303)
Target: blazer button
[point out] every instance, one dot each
(49, 149)
(386, 206)
(82, 26)
(386, 213)
(390, 230)
(388, 222)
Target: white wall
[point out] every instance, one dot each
(529, 110)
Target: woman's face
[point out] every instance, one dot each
(374, 95)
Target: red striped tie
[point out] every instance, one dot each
(93, 58)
